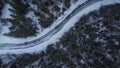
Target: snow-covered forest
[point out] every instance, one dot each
(93, 41)
(29, 17)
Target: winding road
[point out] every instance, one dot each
(52, 32)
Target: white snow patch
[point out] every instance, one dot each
(5, 12)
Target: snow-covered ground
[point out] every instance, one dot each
(58, 35)
(0, 28)
(5, 12)
(18, 40)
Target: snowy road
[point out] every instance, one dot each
(50, 33)
(25, 47)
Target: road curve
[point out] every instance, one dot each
(45, 37)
